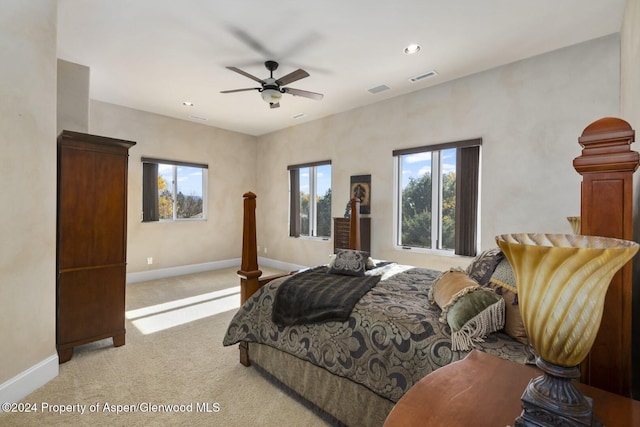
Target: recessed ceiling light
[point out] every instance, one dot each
(187, 104)
(412, 48)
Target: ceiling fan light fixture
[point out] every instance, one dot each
(271, 96)
(412, 48)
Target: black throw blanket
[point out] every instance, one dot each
(315, 296)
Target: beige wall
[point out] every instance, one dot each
(630, 65)
(630, 111)
(73, 97)
(529, 114)
(231, 158)
(28, 170)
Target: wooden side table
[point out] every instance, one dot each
(484, 390)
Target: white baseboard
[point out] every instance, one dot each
(30, 380)
(279, 265)
(162, 273)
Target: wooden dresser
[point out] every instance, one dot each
(341, 233)
(91, 240)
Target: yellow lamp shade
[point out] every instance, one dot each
(562, 281)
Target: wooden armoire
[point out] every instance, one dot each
(91, 240)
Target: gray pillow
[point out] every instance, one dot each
(483, 265)
(349, 262)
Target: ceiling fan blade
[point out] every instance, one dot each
(292, 77)
(250, 41)
(240, 90)
(244, 73)
(274, 105)
(304, 93)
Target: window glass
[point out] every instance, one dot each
(189, 195)
(428, 197)
(310, 207)
(416, 200)
(305, 197)
(173, 191)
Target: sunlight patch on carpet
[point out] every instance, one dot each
(163, 316)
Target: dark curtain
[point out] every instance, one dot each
(468, 173)
(294, 220)
(150, 198)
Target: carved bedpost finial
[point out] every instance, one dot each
(606, 147)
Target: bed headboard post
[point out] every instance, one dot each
(607, 164)
(354, 225)
(249, 272)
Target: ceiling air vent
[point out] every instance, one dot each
(378, 89)
(423, 76)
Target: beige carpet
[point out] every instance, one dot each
(169, 364)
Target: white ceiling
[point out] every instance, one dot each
(154, 54)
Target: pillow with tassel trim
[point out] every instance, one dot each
(471, 311)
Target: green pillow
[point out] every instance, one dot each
(471, 311)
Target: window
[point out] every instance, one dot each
(173, 190)
(437, 196)
(310, 204)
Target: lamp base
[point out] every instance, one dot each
(552, 400)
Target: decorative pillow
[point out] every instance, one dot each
(483, 265)
(332, 259)
(503, 282)
(349, 262)
(370, 264)
(471, 311)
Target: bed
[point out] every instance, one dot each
(353, 369)
(365, 361)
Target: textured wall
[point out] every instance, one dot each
(231, 158)
(73, 97)
(28, 171)
(528, 113)
(630, 111)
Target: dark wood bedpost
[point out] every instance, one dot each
(607, 164)
(250, 280)
(354, 225)
(249, 272)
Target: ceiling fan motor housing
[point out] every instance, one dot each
(270, 91)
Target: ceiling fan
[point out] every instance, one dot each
(271, 89)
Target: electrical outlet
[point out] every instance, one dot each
(265, 250)
(258, 248)
(150, 260)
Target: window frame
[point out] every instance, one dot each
(294, 200)
(150, 189)
(467, 228)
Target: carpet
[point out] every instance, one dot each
(173, 369)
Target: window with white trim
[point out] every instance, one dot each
(173, 190)
(437, 197)
(310, 199)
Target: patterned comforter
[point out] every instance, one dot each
(391, 340)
